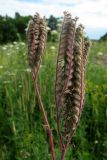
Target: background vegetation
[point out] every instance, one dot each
(13, 29)
(22, 130)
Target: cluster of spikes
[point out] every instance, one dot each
(70, 71)
(70, 77)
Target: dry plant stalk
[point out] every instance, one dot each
(36, 36)
(70, 72)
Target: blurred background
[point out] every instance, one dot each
(22, 133)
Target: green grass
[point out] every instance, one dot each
(22, 130)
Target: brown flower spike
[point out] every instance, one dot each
(36, 36)
(70, 71)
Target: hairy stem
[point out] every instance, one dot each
(44, 116)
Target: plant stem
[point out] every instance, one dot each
(44, 116)
(63, 154)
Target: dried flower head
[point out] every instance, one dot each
(71, 61)
(36, 37)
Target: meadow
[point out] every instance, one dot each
(22, 130)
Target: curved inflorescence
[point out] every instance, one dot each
(70, 71)
(36, 37)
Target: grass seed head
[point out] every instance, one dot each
(70, 76)
(36, 37)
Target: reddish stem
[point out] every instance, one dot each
(63, 154)
(44, 116)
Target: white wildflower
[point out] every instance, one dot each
(54, 32)
(48, 28)
(28, 70)
(17, 48)
(100, 53)
(11, 46)
(20, 86)
(11, 74)
(95, 141)
(26, 29)
(1, 67)
(14, 43)
(52, 47)
(59, 25)
(4, 48)
(8, 54)
(41, 66)
(22, 43)
(6, 82)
